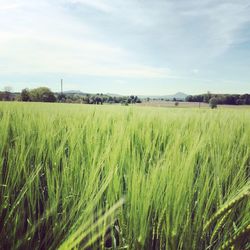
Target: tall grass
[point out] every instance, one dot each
(78, 176)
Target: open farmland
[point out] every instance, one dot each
(97, 177)
(182, 104)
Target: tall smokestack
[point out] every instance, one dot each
(61, 86)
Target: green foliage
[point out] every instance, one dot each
(6, 95)
(100, 99)
(25, 95)
(76, 176)
(42, 94)
(213, 103)
(61, 98)
(221, 98)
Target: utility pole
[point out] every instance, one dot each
(61, 86)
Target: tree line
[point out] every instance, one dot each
(44, 94)
(234, 99)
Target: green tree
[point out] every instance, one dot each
(25, 95)
(61, 97)
(213, 103)
(7, 93)
(42, 94)
(240, 102)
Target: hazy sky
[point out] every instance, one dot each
(126, 46)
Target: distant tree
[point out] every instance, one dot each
(91, 100)
(176, 104)
(206, 97)
(240, 102)
(97, 100)
(61, 97)
(230, 99)
(17, 97)
(48, 96)
(42, 94)
(86, 99)
(189, 98)
(110, 99)
(104, 98)
(246, 97)
(25, 95)
(7, 93)
(234, 99)
(213, 103)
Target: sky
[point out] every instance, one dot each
(143, 47)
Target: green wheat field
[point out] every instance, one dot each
(117, 177)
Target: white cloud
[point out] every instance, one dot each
(33, 54)
(136, 39)
(8, 6)
(222, 22)
(49, 44)
(97, 4)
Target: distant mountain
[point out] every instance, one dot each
(180, 96)
(73, 92)
(114, 95)
(177, 96)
